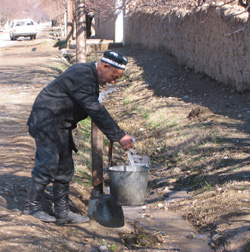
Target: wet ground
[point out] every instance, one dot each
(177, 231)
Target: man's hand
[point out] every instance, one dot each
(126, 142)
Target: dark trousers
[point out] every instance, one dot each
(52, 165)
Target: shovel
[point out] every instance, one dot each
(103, 208)
(105, 211)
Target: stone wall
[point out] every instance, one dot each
(207, 39)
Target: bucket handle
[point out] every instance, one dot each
(110, 154)
(129, 152)
(131, 160)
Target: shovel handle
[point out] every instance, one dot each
(110, 152)
(97, 157)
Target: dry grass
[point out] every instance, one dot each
(211, 156)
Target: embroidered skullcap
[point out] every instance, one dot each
(114, 59)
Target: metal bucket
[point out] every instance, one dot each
(128, 184)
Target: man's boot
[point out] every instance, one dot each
(61, 205)
(33, 203)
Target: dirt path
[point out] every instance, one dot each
(25, 69)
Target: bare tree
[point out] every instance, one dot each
(55, 9)
(13, 9)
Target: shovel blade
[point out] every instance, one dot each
(106, 211)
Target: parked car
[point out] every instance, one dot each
(23, 28)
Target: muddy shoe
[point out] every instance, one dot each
(72, 218)
(43, 216)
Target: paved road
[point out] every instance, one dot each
(5, 41)
(5, 37)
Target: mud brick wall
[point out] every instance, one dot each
(209, 40)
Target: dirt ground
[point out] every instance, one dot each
(195, 131)
(25, 69)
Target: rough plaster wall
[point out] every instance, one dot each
(204, 46)
(104, 30)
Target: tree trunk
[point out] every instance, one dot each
(70, 22)
(81, 54)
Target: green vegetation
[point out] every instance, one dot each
(124, 77)
(244, 188)
(202, 184)
(58, 68)
(112, 247)
(235, 169)
(145, 113)
(126, 101)
(83, 178)
(85, 128)
(93, 57)
(246, 247)
(61, 44)
(83, 136)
